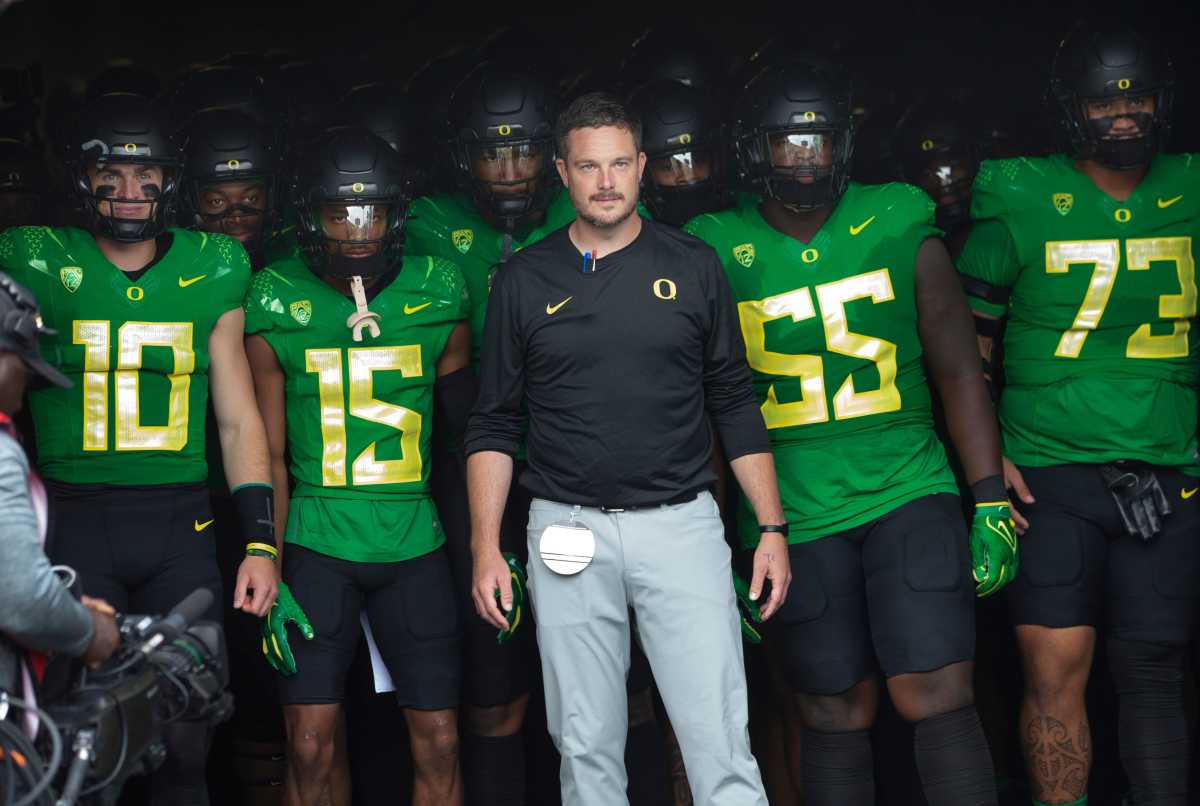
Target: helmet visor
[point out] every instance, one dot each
(681, 168)
(355, 229)
(509, 168)
(945, 176)
(802, 150)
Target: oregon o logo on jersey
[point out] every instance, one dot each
(462, 239)
(301, 311)
(71, 277)
(744, 254)
(1063, 202)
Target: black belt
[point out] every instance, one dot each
(682, 498)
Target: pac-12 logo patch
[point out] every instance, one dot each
(1063, 202)
(301, 311)
(744, 254)
(71, 276)
(462, 239)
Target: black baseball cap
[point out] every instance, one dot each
(20, 326)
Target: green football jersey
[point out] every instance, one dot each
(831, 337)
(449, 227)
(359, 414)
(137, 352)
(1098, 353)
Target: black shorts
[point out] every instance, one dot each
(142, 549)
(1080, 567)
(413, 615)
(494, 673)
(894, 595)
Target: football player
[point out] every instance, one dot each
(232, 180)
(509, 195)
(1090, 257)
(23, 184)
(147, 318)
(845, 294)
(684, 142)
(351, 345)
(934, 151)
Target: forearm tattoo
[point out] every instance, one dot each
(1059, 762)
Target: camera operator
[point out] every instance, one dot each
(36, 610)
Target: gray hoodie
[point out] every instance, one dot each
(36, 610)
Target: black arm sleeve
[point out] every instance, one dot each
(495, 422)
(454, 395)
(729, 395)
(948, 340)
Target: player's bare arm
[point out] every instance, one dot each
(244, 447)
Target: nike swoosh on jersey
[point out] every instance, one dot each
(862, 226)
(415, 308)
(185, 283)
(200, 527)
(553, 309)
(1186, 494)
(1165, 203)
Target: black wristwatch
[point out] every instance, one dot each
(778, 528)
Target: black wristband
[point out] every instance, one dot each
(776, 528)
(255, 504)
(989, 490)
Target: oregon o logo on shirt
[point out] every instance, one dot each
(1122, 215)
(664, 288)
(810, 255)
(134, 293)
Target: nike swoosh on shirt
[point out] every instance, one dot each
(862, 226)
(1186, 494)
(415, 308)
(200, 527)
(1165, 203)
(185, 283)
(553, 309)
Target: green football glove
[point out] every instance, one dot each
(516, 573)
(748, 609)
(274, 631)
(994, 559)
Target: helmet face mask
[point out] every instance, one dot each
(509, 177)
(128, 218)
(238, 208)
(1114, 91)
(947, 179)
(355, 238)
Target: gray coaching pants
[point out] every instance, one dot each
(671, 565)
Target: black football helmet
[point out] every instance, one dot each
(350, 174)
(387, 112)
(1094, 64)
(123, 128)
(934, 151)
(24, 184)
(225, 145)
(502, 142)
(684, 141)
(227, 87)
(794, 134)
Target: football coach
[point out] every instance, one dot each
(618, 342)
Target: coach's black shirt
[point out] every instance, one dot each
(616, 369)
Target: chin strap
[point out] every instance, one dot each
(361, 318)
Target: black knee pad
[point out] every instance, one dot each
(494, 770)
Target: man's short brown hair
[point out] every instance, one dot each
(591, 111)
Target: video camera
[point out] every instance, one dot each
(110, 720)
